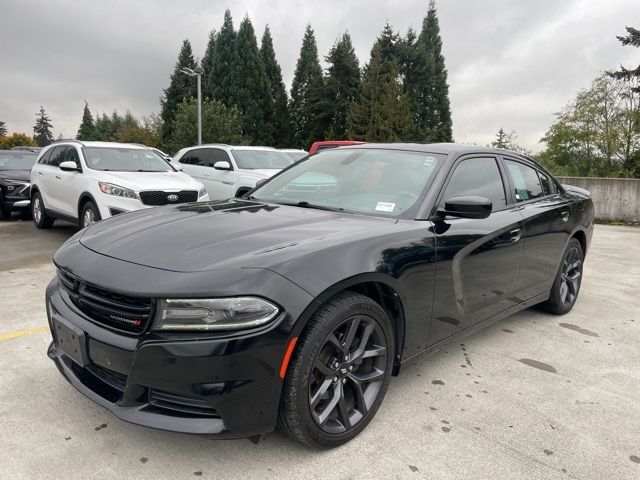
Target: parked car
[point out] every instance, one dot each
(326, 144)
(15, 187)
(227, 171)
(165, 156)
(295, 306)
(29, 149)
(295, 153)
(84, 182)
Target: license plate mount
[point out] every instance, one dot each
(71, 340)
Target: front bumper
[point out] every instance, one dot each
(111, 205)
(191, 383)
(16, 200)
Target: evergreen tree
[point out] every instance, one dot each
(87, 130)
(104, 128)
(3, 129)
(207, 62)
(181, 86)
(426, 84)
(306, 93)
(342, 84)
(381, 112)
(220, 76)
(250, 90)
(388, 45)
(281, 120)
(631, 38)
(42, 129)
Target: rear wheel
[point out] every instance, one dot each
(90, 214)
(339, 374)
(40, 217)
(566, 286)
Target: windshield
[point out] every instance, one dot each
(123, 159)
(370, 181)
(257, 159)
(17, 160)
(295, 156)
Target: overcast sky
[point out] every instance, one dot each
(511, 63)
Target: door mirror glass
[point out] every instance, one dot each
(222, 165)
(69, 166)
(468, 207)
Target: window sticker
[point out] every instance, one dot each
(385, 207)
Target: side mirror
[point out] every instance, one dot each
(467, 207)
(177, 166)
(222, 165)
(69, 166)
(259, 183)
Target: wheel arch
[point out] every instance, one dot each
(84, 198)
(242, 190)
(380, 288)
(581, 236)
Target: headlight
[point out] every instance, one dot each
(111, 189)
(202, 192)
(214, 314)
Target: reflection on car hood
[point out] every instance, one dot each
(19, 175)
(261, 172)
(233, 233)
(139, 181)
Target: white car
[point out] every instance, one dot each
(84, 182)
(295, 153)
(227, 171)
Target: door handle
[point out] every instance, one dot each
(515, 235)
(58, 177)
(40, 173)
(565, 216)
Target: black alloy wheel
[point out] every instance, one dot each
(566, 286)
(339, 373)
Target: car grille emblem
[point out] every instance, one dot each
(172, 198)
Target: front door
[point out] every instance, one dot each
(477, 260)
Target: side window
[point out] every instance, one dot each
(44, 160)
(72, 156)
(57, 156)
(526, 182)
(195, 157)
(480, 177)
(548, 188)
(218, 155)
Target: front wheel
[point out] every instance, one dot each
(90, 215)
(566, 285)
(339, 374)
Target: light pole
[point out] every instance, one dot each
(198, 74)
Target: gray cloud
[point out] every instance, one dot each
(511, 64)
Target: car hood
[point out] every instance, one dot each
(227, 234)
(139, 181)
(19, 175)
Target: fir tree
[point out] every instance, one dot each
(426, 84)
(342, 84)
(103, 128)
(3, 129)
(220, 76)
(502, 139)
(207, 62)
(306, 93)
(381, 112)
(250, 91)
(388, 45)
(87, 130)
(281, 120)
(631, 38)
(181, 86)
(42, 129)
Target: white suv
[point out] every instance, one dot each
(228, 171)
(84, 182)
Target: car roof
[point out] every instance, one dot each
(97, 144)
(442, 148)
(231, 147)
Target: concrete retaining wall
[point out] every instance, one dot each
(613, 198)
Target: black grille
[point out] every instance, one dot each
(181, 405)
(120, 312)
(115, 379)
(158, 197)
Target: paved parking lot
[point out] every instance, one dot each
(534, 396)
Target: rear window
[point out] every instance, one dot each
(526, 182)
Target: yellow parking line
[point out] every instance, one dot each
(23, 333)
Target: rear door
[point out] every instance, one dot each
(477, 260)
(47, 181)
(546, 214)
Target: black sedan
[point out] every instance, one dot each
(297, 303)
(15, 189)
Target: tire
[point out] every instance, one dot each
(241, 191)
(38, 213)
(343, 366)
(566, 285)
(5, 213)
(89, 215)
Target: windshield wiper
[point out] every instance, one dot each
(305, 204)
